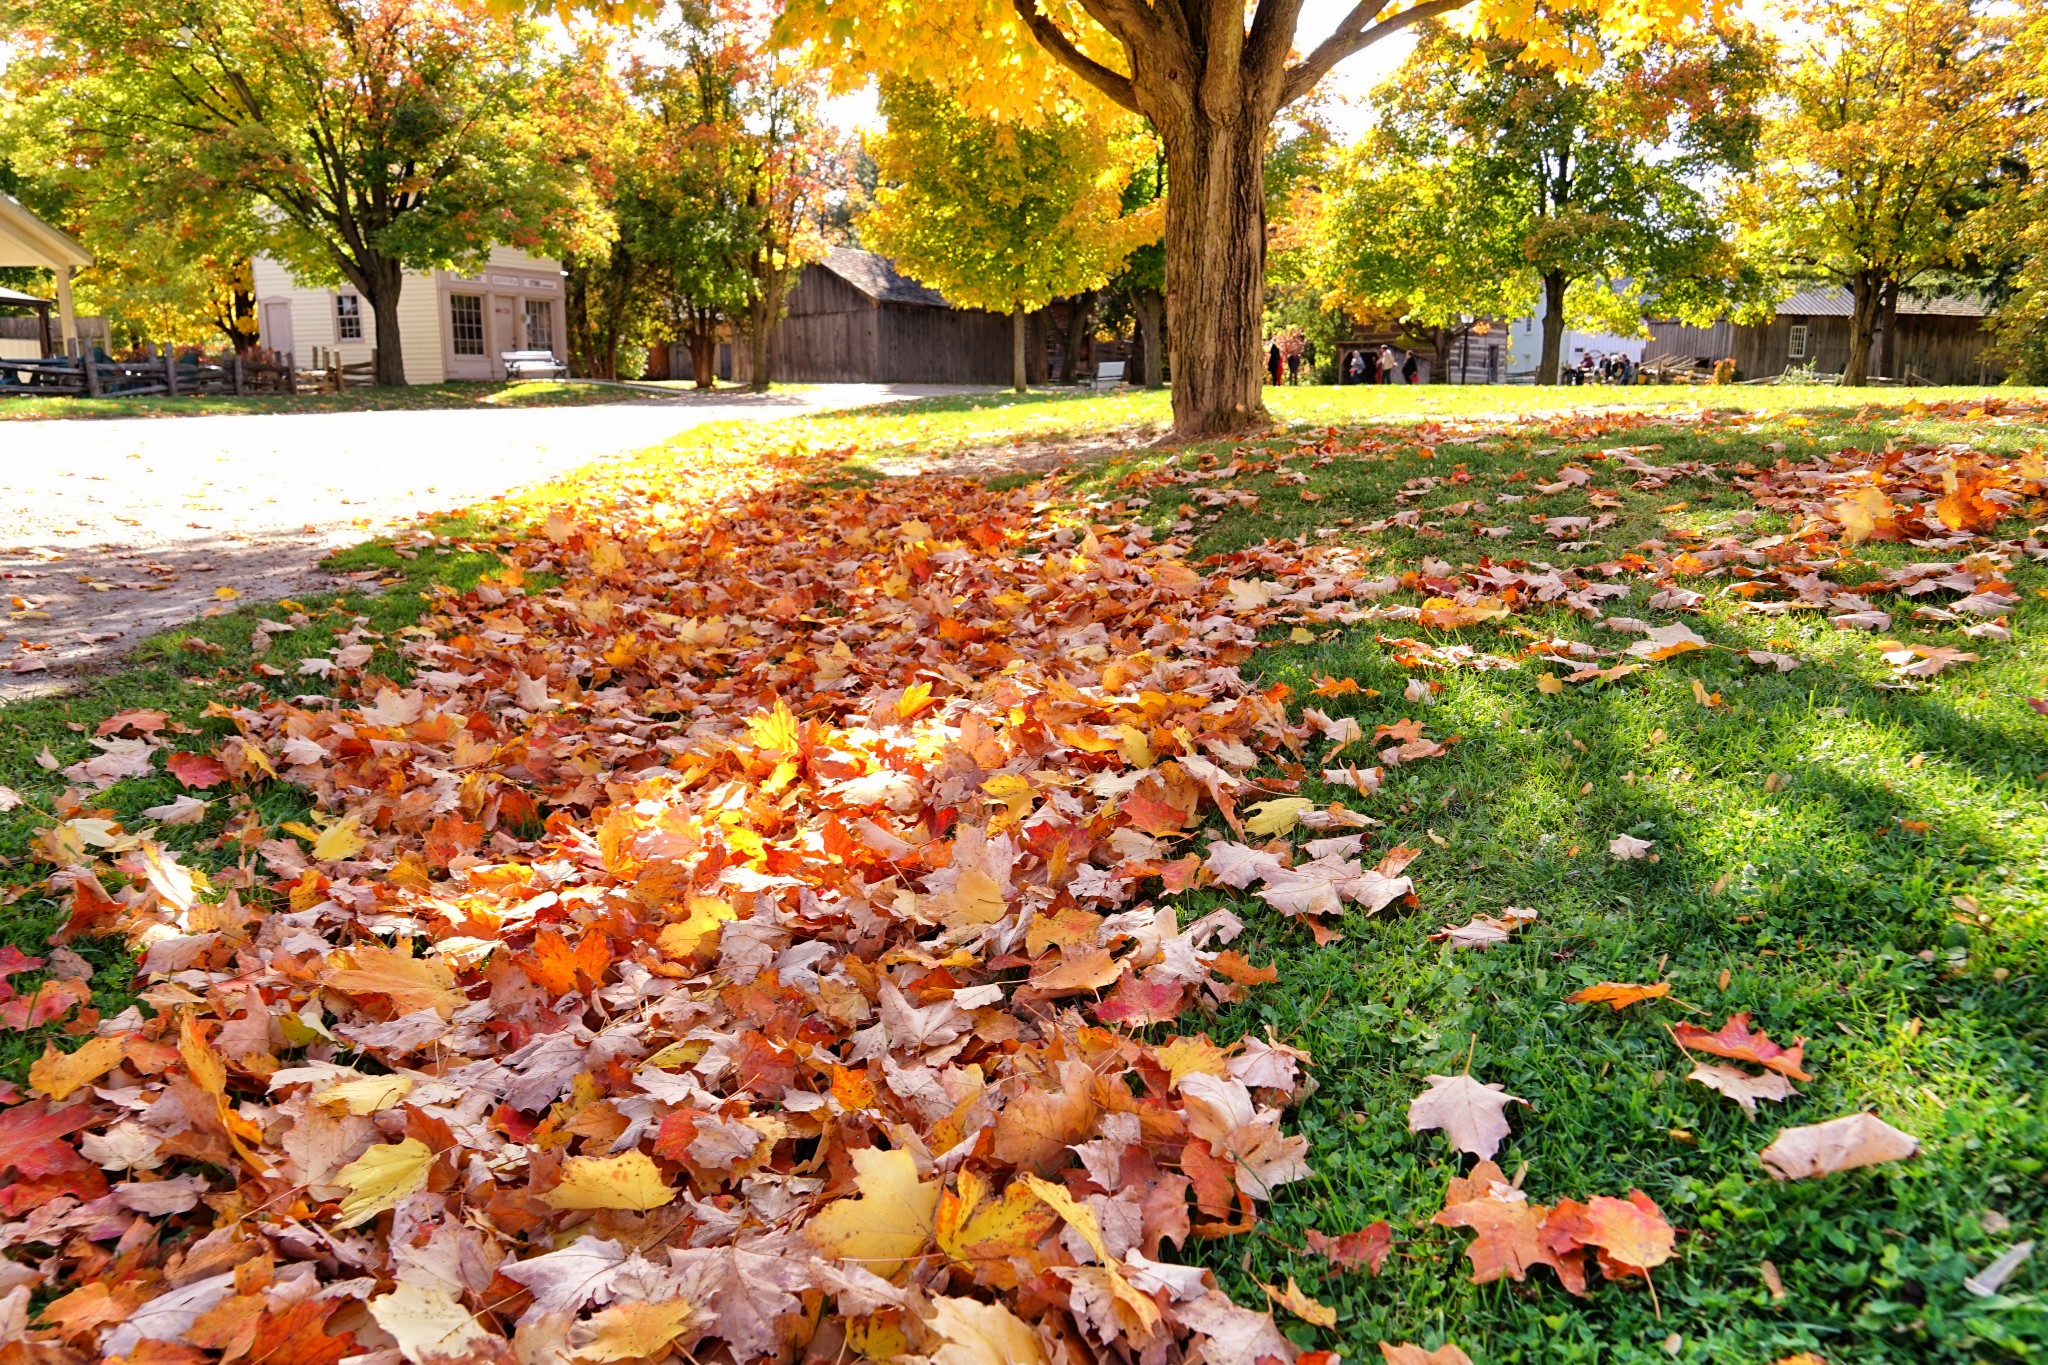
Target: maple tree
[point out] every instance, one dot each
(1003, 216)
(1889, 135)
(1493, 179)
(359, 138)
(1210, 79)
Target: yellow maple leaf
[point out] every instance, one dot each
(1012, 790)
(973, 1227)
(57, 1073)
(1079, 1216)
(1186, 1056)
(628, 1331)
(629, 1180)
(977, 1333)
(382, 1176)
(342, 839)
(891, 1219)
(364, 1094)
(1269, 818)
(774, 730)
(683, 937)
(975, 899)
(411, 983)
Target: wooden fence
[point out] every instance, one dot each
(73, 377)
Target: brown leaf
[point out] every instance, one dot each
(1840, 1144)
(1470, 1112)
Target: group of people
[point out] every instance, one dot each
(1384, 366)
(1285, 367)
(1612, 368)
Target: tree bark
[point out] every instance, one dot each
(1215, 269)
(1881, 359)
(1150, 306)
(703, 344)
(382, 279)
(1866, 290)
(763, 316)
(1080, 312)
(1549, 366)
(1018, 376)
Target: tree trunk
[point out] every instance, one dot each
(1080, 311)
(1866, 290)
(1018, 377)
(1549, 366)
(703, 346)
(1442, 340)
(1150, 306)
(1881, 360)
(1215, 266)
(763, 316)
(381, 282)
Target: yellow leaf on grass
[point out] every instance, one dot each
(342, 839)
(1295, 1301)
(915, 698)
(628, 1331)
(629, 1180)
(1079, 1216)
(57, 1074)
(774, 730)
(382, 1176)
(891, 1220)
(1269, 818)
(1185, 1056)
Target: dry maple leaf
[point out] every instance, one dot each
(1618, 995)
(1734, 1040)
(1368, 1247)
(1624, 847)
(1470, 1112)
(1838, 1145)
(1300, 1304)
(1408, 1353)
(1744, 1087)
(1508, 1229)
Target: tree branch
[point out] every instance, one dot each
(1050, 37)
(1272, 38)
(1303, 76)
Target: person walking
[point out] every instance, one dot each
(1294, 368)
(1355, 367)
(1411, 368)
(1388, 364)
(1273, 362)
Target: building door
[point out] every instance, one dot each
(468, 354)
(505, 331)
(275, 326)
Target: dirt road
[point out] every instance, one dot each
(112, 530)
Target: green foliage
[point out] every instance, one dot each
(1002, 216)
(1490, 174)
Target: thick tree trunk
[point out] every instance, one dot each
(1215, 267)
(1150, 306)
(1018, 375)
(1549, 365)
(1080, 312)
(381, 282)
(1866, 291)
(1881, 341)
(765, 314)
(703, 358)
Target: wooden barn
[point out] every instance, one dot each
(1935, 340)
(853, 319)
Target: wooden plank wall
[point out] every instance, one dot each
(1707, 344)
(943, 346)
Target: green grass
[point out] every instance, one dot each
(1831, 918)
(183, 672)
(540, 393)
(1912, 961)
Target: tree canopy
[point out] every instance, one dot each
(1003, 215)
(350, 139)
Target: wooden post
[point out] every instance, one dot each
(67, 316)
(291, 374)
(335, 373)
(237, 372)
(90, 365)
(171, 371)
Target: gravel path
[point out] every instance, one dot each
(111, 530)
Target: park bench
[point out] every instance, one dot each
(1109, 374)
(533, 365)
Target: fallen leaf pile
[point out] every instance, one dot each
(747, 923)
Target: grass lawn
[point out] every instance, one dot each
(536, 393)
(1847, 856)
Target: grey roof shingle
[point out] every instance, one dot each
(879, 279)
(1834, 301)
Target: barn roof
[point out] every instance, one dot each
(1834, 301)
(879, 279)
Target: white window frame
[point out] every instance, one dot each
(526, 314)
(1796, 341)
(341, 317)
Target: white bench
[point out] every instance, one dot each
(533, 365)
(1109, 373)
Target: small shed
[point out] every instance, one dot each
(854, 318)
(1935, 339)
(26, 240)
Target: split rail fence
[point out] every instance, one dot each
(98, 377)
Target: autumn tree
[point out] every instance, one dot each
(1210, 76)
(363, 137)
(1493, 180)
(1891, 131)
(1001, 215)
